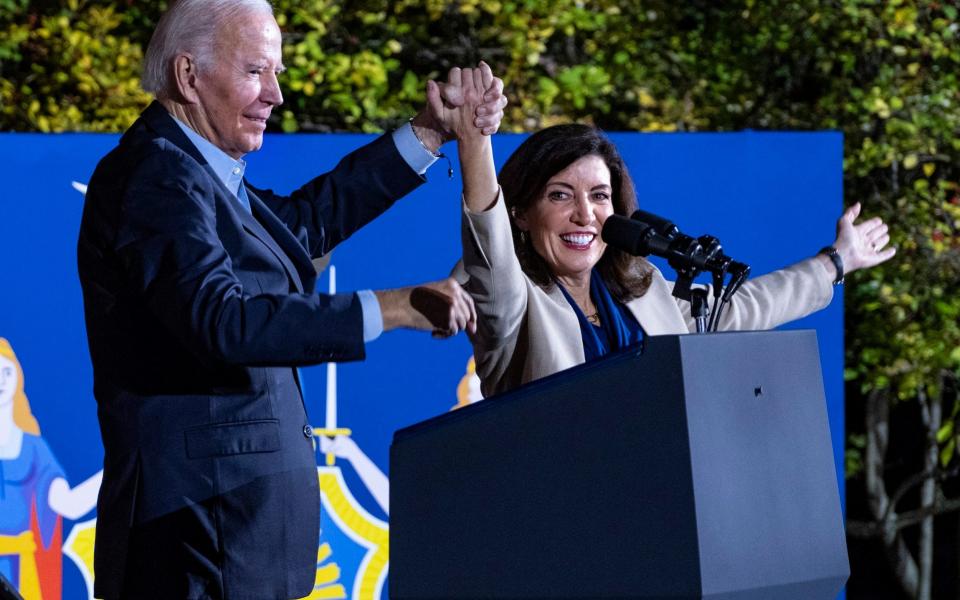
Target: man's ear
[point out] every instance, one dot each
(185, 78)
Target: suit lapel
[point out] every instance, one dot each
(264, 226)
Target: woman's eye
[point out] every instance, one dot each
(601, 197)
(557, 195)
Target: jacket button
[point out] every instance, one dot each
(308, 432)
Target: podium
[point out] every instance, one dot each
(699, 466)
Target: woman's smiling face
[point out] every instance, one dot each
(564, 224)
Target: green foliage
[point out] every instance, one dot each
(66, 69)
(885, 73)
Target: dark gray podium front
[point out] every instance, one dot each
(699, 468)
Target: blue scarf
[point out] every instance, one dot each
(618, 327)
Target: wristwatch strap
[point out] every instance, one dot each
(834, 257)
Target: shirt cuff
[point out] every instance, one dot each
(413, 152)
(372, 317)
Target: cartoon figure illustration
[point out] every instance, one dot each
(468, 391)
(34, 492)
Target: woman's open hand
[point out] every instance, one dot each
(862, 245)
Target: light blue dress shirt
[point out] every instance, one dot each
(231, 171)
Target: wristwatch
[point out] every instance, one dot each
(834, 257)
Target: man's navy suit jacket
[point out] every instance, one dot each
(197, 313)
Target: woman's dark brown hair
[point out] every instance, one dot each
(524, 177)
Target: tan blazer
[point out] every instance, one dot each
(526, 332)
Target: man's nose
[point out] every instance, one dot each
(270, 92)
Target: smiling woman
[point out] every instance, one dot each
(550, 294)
(564, 224)
(559, 207)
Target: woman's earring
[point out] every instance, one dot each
(523, 236)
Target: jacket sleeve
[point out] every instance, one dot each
(498, 287)
(773, 299)
(331, 207)
(172, 258)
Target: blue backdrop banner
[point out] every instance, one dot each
(772, 198)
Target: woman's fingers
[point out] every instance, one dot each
(490, 113)
(494, 90)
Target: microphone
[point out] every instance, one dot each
(633, 237)
(643, 239)
(717, 262)
(645, 233)
(663, 226)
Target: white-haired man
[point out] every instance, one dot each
(198, 294)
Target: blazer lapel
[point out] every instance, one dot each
(657, 311)
(271, 231)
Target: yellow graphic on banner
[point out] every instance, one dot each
(325, 584)
(23, 546)
(79, 548)
(361, 527)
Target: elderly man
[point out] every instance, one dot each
(198, 292)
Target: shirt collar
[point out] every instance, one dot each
(229, 170)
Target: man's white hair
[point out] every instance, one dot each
(189, 26)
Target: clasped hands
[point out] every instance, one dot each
(455, 109)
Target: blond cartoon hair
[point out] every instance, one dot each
(22, 416)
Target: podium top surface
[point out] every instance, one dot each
(649, 347)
